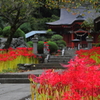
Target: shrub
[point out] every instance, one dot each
(52, 46)
(18, 33)
(97, 44)
(30, 44)
(58, 39)
(26, 27)
(40, 47)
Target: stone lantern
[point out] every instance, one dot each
(35, 41)
(89, 40)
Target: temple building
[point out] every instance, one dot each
(69, 26)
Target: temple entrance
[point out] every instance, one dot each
(81, 35)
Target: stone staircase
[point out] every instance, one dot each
(54, 62)
(59, 59)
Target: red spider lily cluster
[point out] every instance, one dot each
(46, 46)
(80, 81)
(11, 57)
(93, 53)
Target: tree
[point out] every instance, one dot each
(18, 33)
(15, 13)
(88, 24)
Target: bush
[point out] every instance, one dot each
(40, 47)
(58, 39)
(26, 27)
(96, 44)
(18, 33)
(52, 46)
(30, 44)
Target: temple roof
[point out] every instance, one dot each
(67, 18)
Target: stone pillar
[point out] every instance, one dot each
(72, 37)
(35, 41)
(89, 41)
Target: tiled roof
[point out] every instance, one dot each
(67, 18)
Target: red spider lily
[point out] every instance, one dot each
(18, 55)
(45, 42)
(33, 78)
(72, 96)
(81, 80)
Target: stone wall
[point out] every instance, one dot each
(16, 42)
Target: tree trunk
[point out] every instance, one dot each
(10, 37)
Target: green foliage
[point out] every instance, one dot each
(58, 39)
(54, 18)
(88, 24)
(0, 31)
(99, 38)
(26, 27)
(40, 47)
(52, 46)
(49, 34)
(63, 42)
(42, 38)
(46, 12)
(97, 44)
(6, 31)
(9, 70)
(18, 33)
(1, 22)
(38, 23)
(30, 44)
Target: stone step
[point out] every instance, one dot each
(13, 75)
(14, 78)
(58, 60)
(49, 66)
(20, 77)
(60, 56)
